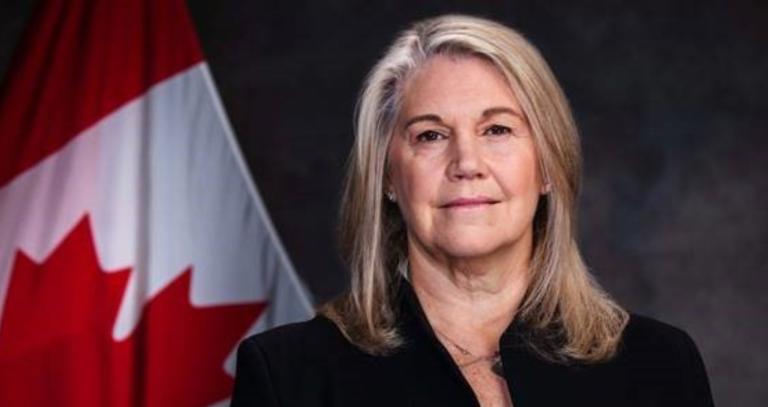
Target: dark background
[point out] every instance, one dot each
(671, 99)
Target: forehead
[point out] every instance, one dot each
(456, 85)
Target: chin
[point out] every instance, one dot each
(468, 248)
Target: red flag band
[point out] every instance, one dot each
(135, 250)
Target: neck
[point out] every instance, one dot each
(471, 300)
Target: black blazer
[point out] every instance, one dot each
(311, 364)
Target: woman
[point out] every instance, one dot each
(458, 227)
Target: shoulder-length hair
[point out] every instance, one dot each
(562, 301)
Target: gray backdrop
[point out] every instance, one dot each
(671, 100)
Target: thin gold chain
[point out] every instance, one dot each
(494, 358)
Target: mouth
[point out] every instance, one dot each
(469, 203)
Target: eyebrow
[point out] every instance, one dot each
(501, 110)
(486, 113)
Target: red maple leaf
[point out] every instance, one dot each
(56, 345)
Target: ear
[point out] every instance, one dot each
(546, 186)
(389, 192)
(386, 184)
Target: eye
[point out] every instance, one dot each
(497, 130)
(429, 136)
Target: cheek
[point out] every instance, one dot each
(519, 174)
(416, 186)
(420, 183)
(415, 178)
(418, 197)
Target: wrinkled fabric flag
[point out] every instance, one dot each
(135, 251)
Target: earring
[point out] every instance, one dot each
(546, 188)
(391, 196)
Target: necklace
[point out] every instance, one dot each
(494, 358)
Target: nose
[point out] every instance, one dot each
(466, 161)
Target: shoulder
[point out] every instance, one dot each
(273, 364)
(300, 342)
(646, 331)
(298, 333)
(653, 338)
(656, 340)
(662, 356)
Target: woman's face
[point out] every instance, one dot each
(462, 162)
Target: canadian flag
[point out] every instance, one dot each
(135, 251)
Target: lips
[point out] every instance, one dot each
(472, 202)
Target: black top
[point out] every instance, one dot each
(311, 364)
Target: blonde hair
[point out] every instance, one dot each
(570, 316)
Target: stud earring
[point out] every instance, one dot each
(391, 196)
